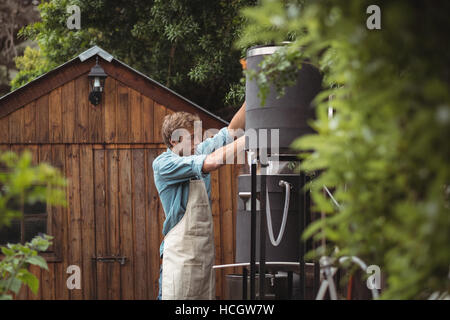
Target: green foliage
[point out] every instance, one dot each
(22, 183)
(14, 266)
(385, 151)
(185, 45)
(31, 65)
(236, 94)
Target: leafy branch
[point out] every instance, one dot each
(22, 183)
(14, 266)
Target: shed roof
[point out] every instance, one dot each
(115, 68)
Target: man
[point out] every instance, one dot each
(183, 182)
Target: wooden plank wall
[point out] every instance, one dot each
(112, 207)
(65, 116)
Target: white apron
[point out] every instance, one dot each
(188, 256)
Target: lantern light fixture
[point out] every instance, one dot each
(97, 78)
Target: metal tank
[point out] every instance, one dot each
(290, 113)
(287, 250)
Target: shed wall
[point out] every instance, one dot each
(113, 207)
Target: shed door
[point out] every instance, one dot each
(128, 219)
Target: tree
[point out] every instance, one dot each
(385, 151)
(13, 16)
(185, 45)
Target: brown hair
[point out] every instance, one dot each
(177, 120)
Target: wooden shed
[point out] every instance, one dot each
(112, 225)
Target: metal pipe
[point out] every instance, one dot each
(262, 238)
(244, 283)
(268, 263)
(363, 266)
(253, 232)
(301, 209)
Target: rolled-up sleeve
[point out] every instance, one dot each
(175, 169)
(217, 141)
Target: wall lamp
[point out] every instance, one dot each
(97, 78)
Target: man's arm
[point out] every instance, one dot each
(225, 135)
(235, 149)
(218, 158)
(175, 169)
(238, 121)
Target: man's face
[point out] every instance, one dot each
(187, 142)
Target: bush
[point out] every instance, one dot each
(22, 184)
(385, 151)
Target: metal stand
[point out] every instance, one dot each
(304, 212)
(253, 235)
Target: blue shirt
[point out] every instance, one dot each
(173, 172)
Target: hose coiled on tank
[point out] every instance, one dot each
(276, 242)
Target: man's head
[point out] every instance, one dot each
(178, 132)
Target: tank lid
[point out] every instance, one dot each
(265, 49)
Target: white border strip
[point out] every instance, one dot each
(262, 51)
